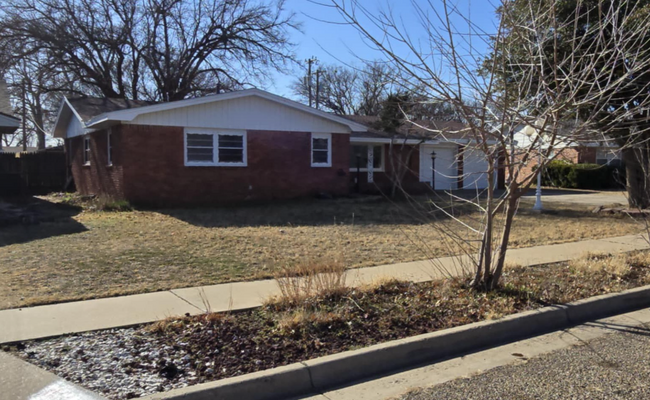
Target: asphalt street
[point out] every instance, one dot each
(616, 366)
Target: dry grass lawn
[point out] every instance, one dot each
(93, 254)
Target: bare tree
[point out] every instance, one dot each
(153, 49)
(350, 90)
(628, 130)
(31, 83)
(544, 92)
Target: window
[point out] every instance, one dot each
(86, 150)
(231, 149)
(361, 151)
(208, 148)
(606, 156)
(321, 150)
(109, 147)
(200, 148)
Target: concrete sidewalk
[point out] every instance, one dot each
(21, 380)
(57, 319)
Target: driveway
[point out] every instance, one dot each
(583, 197)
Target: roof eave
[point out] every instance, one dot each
(130, 114)
(56, 128)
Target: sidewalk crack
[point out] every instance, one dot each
(187, 301)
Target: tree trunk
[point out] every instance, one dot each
(484, 267)
(40, 129)
(511, 208)
(638, 182)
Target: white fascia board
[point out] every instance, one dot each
(131, 114)
(369, 140)
(407, 141)
(58, 120)
(75, 112)
(65, 104)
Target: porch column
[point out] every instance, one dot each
(371, 154)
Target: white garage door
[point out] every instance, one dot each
(474, 169)
(446, 168)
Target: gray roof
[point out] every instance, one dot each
(8, 123)
(418, 129)
(89, 107)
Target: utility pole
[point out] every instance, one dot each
(24, 116)
(318, 72)
(309, 64)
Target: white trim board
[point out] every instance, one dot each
(131, 114)
(250, 109)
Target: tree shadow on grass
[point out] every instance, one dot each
(25, 219)
(364, 210)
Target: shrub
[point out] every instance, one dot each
(308, 279)
(109, 204)
(564, 174)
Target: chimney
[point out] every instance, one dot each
(5, 105)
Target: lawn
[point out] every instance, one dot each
(176, 352)
(90, 254)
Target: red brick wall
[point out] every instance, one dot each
(97, 178)
(587, 155)
(279, 167)
(570, 154)
(383, 181)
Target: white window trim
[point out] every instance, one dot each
(382, 168)
(327, 136)
(109, 144)
(86, 155)
(215, 147)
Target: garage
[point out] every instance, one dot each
(446, 166)
(475, 169)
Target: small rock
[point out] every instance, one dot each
(169, 371)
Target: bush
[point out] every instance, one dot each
(564, 174)
(110, 204)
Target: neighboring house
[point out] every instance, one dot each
(8, 125)
(585, 151)
(245, 145)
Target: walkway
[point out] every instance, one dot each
(57, 319)
(581, 197)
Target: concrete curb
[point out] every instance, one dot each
(321, 374)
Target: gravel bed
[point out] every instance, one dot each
(177, 352)
(117, 363)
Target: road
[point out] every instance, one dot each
(615, 366)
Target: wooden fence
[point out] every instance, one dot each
(32, 173)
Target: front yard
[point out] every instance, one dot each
(176, 352)
(99, 254)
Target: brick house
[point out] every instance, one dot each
(248, 145)
(585, 152)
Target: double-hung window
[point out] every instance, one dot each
(321, 150)
(86, 152)
(204, 147)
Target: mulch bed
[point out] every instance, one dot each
(184, 351)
